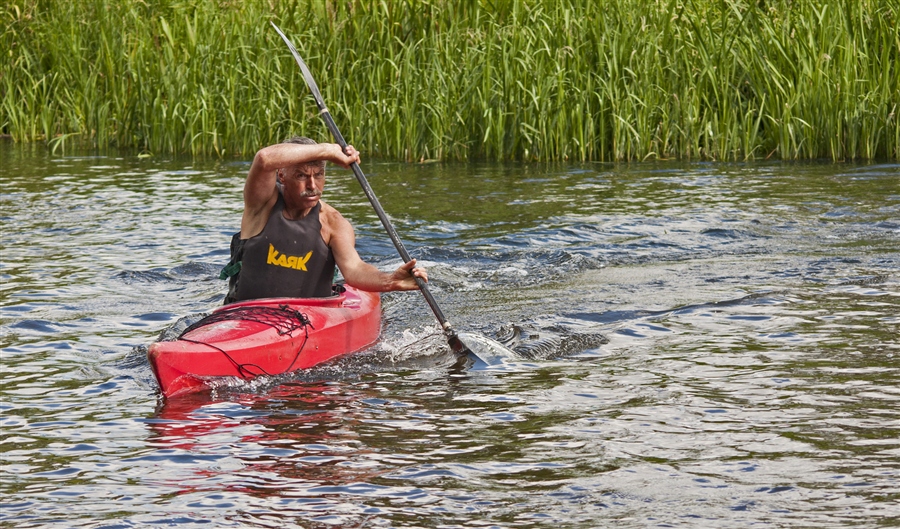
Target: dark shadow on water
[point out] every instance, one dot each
(531, 342)
(621, 316)
(188, 272)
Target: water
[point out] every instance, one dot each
(699, 345)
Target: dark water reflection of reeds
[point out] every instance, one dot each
(702, 345)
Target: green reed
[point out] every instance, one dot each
(420, 80)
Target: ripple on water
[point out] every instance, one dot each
(698, 344)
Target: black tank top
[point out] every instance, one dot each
(288, 259)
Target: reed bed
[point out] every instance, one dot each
(439, 80)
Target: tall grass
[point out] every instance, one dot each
(466, 79)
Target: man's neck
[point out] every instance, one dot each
(296, 213)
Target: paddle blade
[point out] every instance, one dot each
(306, 73)
(482, 348)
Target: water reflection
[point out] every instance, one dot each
(301, 434)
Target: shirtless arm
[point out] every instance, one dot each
(360, 274)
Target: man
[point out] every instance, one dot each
(290, 240)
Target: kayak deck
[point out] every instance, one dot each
(266, 337)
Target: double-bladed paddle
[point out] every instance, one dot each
(483, 348)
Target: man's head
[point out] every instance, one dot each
(305, 180)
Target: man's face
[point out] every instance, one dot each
(304, 181)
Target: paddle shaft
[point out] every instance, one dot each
(453, 338)
(386, 222)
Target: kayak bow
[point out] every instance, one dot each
(265, 337)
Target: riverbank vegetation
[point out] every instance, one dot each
(469, 79)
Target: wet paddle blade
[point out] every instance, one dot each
(488, 351)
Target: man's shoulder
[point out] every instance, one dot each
(330, 215)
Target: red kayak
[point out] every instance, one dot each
(266, 337)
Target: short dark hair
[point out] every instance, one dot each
(303, 140)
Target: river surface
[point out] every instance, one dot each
(698, 345)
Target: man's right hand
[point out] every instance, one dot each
(345, 158)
